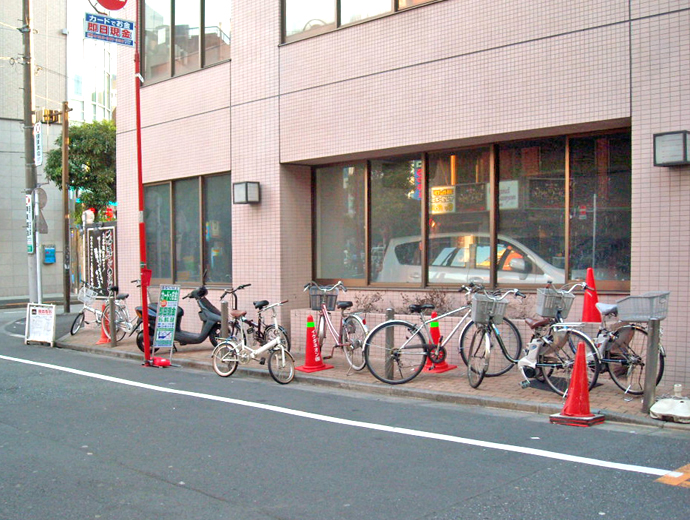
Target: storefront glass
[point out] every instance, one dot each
(217, 229)
(157, 218)
(187, 233)
(459, 210)
(396, 203)
(340, 230)
(600, 206)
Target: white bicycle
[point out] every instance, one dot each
(236, 350)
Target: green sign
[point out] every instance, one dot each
(166, 319)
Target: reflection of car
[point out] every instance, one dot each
(457, 258)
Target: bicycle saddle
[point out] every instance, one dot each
(536, 323)
(607, 308)
(260, 304)
(238, 314)
(122, 296)
(344, 305)
(414, 309)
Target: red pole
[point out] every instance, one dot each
(145, 273)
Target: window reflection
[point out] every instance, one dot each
(217, 229)
(157, 218)
(216, 31)
(157, 17)
(187, 237)
(308, 16)
(187, 36)
(355, 10)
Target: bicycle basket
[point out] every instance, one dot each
(86, 295)
(485, 307)
(317, 296)
(648, 306)
(550, 301)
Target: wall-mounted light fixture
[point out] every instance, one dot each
(672, 148)
(246, 193)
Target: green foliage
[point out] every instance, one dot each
(91, 164)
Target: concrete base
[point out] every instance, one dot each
(557, 418)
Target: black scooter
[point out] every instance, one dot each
(208, 313)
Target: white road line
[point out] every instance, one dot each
(359, 424)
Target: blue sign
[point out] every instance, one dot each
(109, 29)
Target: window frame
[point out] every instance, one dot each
(494, 211)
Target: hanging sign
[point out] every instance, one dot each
(38, 145)
(109, 29)
(40, 324)
(166, 318)
(30, 225)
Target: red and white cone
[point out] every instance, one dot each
(436, 339)
(105, 325)
(590, 313)
(313, 361)
(576, 410)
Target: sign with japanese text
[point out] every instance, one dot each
(38, 145)
(166, 318)
(108, 29)
(30, 225)
(40, 324)
(442, 199)
(100, 258)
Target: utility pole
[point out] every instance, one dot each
(29, 152)
(65, 207)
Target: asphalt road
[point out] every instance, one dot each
(83, 436)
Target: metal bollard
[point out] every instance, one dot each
(652, 363)
(111, 307)
(389, 345)
(224, 319)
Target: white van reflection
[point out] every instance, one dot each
(459, 258)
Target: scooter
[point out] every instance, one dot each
(208, 313)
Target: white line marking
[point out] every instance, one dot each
(360, 424)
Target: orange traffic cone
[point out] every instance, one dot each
(313, 361)
(436, 339)
(590, 314)
(576, 409)
(105, 323)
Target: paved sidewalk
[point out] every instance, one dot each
(452, 386)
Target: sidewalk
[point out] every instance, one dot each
(451, 387)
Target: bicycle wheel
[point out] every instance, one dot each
(271, 332)
(626, 359)
(478, 356)
(395, 352)
(354, 333)
(498, 364)
(557, 360)
(225, 358)
(281, 366)
(120, 318)
(77, 323)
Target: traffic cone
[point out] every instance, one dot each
(436, 339)
(576, 409)
(313, 361)
(104, 323)
(590, 313)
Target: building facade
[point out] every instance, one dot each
(409, 147)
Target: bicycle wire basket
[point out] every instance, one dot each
(550, 301)
(648, 306)
(317, 296)
(86, 295)
(485, 307)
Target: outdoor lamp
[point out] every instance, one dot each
(246, 193)
(672, 148)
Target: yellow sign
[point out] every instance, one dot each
(442, 199)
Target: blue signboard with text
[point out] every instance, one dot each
(109, 29)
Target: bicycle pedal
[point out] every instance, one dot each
(326, 357)
(262, 361)
(524, 384)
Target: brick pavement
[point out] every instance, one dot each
(499, 392)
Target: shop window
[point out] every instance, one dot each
(176, 214)
(340, 239)
(172, 50)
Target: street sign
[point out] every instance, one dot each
(164, 335)
(38, 145)
(29, 225)
(109, 29)
(113, 5)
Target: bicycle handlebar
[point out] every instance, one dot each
(575, 285)
(325, 287)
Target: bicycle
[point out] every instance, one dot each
(622, 348)
(88, 295)
(234, 350)
(352, 328)
(258, 329)
(551, 352)
(396, 350)
(487, 314)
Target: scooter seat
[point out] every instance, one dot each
(344, 305)
(122, 296)
(260, 304)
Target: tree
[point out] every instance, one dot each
(91, 164)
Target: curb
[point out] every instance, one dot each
(392, 390)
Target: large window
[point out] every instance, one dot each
(510, 214)
(174, 43)
(189, 230)
(305, 18)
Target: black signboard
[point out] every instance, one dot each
(100, 258)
